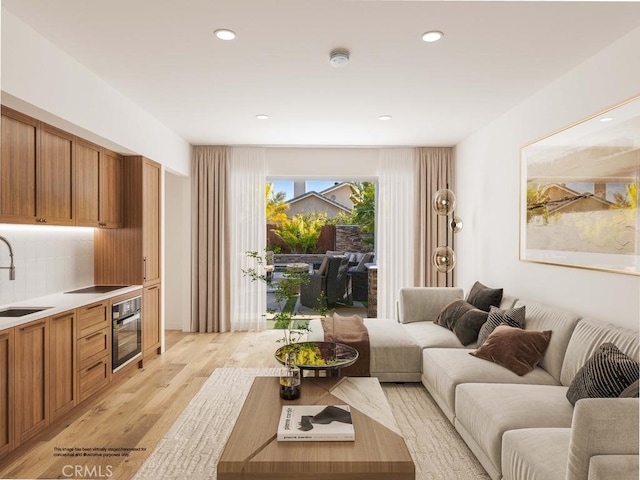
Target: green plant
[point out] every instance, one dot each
(301, 232)
(285, 293)
(276, 205)
(363, 196)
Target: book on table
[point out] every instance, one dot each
(316, 423)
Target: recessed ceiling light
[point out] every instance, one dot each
(262, 116)
(432, 36)
(384, 117)
(225, 34)
(606, 119)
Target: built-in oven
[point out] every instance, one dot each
(126, 317)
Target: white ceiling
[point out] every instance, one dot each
(162, 54)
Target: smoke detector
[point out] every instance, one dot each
(339, 57)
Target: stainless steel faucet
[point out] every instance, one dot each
(11, 268)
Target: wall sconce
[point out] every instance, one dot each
(444, 204)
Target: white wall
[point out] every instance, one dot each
(487, 188)
(41, 80)
(332, 163)
(177, 247)
(47, 260)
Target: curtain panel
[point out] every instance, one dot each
(210, 293)
(394, 222)
(434, 170)
(248, 230)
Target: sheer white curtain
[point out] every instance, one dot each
(247, 179)
(395, 224)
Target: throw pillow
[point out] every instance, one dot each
(463, 319)
(632, 391)
(514, 317)
(483, 297)
(605, 375)
(513, 348)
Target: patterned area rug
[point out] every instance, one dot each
(192, 446)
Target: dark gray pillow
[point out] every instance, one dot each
(514, 317)
(605, 375)
(463, 319)
(482, 297)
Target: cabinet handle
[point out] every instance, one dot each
(95, 306)
(102, 224)
(144, 268)
(86, 339)
(95, 366)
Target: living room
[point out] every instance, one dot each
(487, 157)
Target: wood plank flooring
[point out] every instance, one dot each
(132, 415)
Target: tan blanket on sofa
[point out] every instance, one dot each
(350, 331)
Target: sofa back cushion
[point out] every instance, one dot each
(587, 337)
(561, 322)
(419, 304)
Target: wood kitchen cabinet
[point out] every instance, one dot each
(151, 185)
(7, 352)
(151, 338)
(62, 364)
(31, 394)
(94, 348)
(98, 186)
(36, 172)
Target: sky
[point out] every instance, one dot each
(286, 186)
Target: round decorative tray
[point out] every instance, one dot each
(318, 355)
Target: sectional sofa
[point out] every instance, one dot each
(520, 427)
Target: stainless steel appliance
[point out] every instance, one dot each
(127, 332)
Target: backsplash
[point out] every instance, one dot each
(47, 260)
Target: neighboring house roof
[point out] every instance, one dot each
(320, 197)
(335, 186)
(565, 198)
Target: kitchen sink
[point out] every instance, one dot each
(20, 311)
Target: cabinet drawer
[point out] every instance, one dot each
(92, 347)
(92, 318)
(94, 377)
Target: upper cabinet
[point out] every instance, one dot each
(48, 176)
(18, 168)
(98, 186)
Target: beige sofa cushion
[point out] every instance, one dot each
(535, 453)
(487, 411)
(587, 337)
(430, 335)
(607, 467)
(416, 304)
(562, 323)
(446, 368)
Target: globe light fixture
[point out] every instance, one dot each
(444, 259)
(444, 202)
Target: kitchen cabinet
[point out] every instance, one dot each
(94, 348)
(98, 186)
(7, 362)
(36, 172)
(31, 379)
(151, 186)
(18, 167)
(151, 338)
(62, 364)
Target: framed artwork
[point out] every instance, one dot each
(579, 194)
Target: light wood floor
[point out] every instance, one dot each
(138, 410)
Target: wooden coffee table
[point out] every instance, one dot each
(378, 452)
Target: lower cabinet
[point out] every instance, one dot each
(7, 351)
(62, 364)
(151, 340)
(94, 349)
(31, 379)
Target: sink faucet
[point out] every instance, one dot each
(11, 268)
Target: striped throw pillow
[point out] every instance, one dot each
(605, 375)
(514, 317)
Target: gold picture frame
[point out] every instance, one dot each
(579, 194)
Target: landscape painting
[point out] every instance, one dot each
(579, 194)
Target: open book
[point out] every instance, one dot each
(327, 423)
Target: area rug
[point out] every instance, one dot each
(192, 446)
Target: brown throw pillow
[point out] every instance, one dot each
(463, 319)
(513, 348)
(482, 297)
